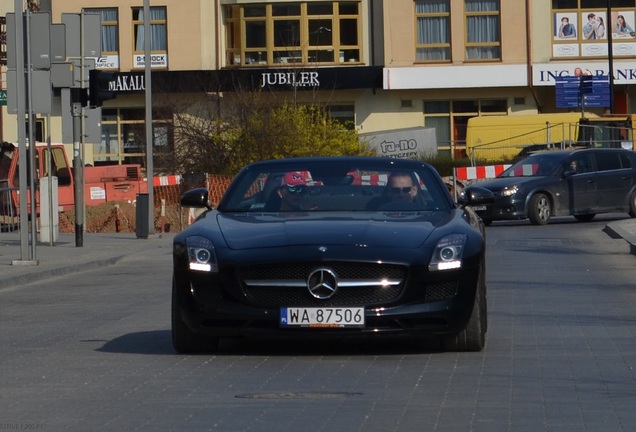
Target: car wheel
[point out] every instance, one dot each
(184, 340)
(539, 209)
(486, 222)
(473, 337)
(585, 217)
(632, 205)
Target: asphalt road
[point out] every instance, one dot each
(89, 349)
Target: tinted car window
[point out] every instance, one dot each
(339, 188)
(625, 162)
(606, 161)
(536, 165)
(581, 163)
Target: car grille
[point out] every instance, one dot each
(286, 285)
(441, 291)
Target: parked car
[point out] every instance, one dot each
(580, 183)
(323, 247)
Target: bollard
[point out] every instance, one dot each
(141, 215)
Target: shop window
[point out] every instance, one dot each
(343, 114)
(124, 138)
(449, 118)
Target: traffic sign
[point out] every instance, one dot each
(594, 91)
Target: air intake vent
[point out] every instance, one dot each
(132, 173)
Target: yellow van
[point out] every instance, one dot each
(499, 137)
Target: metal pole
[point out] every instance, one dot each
(49, 169)
(76, 110)
(21, 108)
(610, 56)
(149, 129)
(82, 176)
(33, 175)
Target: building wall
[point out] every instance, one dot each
(522, 77)
(188, 47)
(399, 22)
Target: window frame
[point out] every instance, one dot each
(478, 46)
(126, 121)
(107, 27)
(321, 35)
(456, 146)
(432, 46)
(138, 30)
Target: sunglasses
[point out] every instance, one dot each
(296, 189)
(397, 190)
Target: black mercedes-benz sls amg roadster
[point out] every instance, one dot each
(332, 246)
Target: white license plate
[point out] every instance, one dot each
(322, 317)
(479, 208)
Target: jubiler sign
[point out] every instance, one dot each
(293, 79)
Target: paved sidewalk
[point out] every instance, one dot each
(106, 249)
(625, 229)
(65, 257)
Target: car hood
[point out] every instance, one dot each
(404, 230)
(497, 184)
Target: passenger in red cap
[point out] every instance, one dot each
(293, 186)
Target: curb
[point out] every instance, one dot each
(35, 276)
(616, 231)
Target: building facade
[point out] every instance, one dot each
(381, 64)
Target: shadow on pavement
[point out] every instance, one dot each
(160, 343)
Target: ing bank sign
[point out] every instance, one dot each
(547, 74)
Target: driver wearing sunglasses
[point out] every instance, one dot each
(401, 187)
(293, 187)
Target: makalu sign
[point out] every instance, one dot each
(408, 143)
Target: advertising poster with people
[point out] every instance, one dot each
(593, 26)
(587, 33)
(623, 25)
(565, 28)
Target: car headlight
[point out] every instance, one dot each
(201, 254)
(509, 190)
(448, 253)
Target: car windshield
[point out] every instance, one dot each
(537, 165)
(343, 187)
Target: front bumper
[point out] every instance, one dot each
(507, 208)
(207, 308)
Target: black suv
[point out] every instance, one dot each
(580, 183)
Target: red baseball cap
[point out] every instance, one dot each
(293, 179)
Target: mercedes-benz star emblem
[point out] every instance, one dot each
(322, 283)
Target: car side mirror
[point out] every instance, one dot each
(476, 195)
(198, 197)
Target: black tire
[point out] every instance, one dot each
(585, 217)
(473, 337)
(487, 222)
(539, 209)
(184, 340)
(632, 205)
